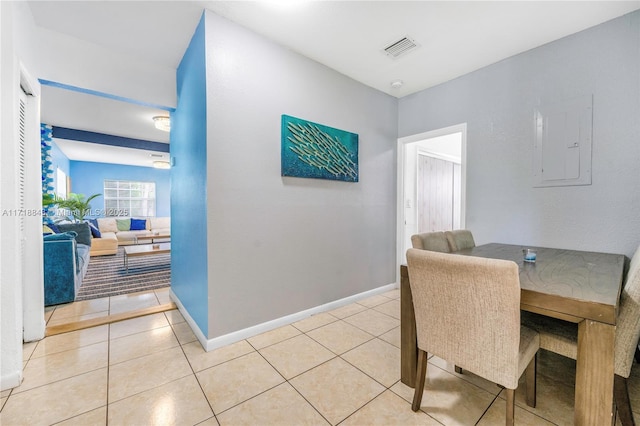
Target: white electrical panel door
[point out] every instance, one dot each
(562, 152)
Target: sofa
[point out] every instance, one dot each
(65, 265)
(121, 231)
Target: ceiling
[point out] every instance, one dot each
(453, 38)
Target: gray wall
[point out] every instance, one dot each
(280, 245)
(498, 104)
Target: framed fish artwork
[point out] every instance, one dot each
(312, 150)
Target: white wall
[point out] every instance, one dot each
(498, 102)
(278, 245)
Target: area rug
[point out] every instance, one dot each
(106, 275)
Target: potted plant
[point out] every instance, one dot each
(76, 204)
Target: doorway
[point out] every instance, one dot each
(431, 184)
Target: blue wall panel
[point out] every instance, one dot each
(88, 178)
(189, 273)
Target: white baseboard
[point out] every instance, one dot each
(236, 336)
(9, 381)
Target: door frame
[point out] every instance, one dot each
(403, 167)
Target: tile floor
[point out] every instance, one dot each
(340, 367)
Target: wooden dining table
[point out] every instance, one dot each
(576, 286)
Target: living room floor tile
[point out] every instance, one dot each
(62, 365)
(137, 325)
(28, 349)
(132, 301)
(273, 336)
(296, 355)
(372, 301)
(163, 295)
(391, 308)
(347, 310)
(377, 359)
(373, 322)
(78, 309)
(449, 399)
(179, 402)
(140, 344)
(174, 316)
(57, 401)
(93, 417)
(72, 340)
(140, 374)
(389, 409)
(183, 333)
(498, 410)
(200, 360)
(281, 405)
(392, 294)
(314, 321)
(228, 384)
(66, 320)
(337, 389)
(339, 336)
(392, 336)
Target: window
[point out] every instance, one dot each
(129, 198)
(61, 183)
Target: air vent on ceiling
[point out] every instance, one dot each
(400, 47)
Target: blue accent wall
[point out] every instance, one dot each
(88, 178)
(189, 270)
(59, 160)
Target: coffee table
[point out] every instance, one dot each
(152, 237)
(144, 250)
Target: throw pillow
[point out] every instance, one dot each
(138, 224)
(82, 229)
(95, 232)
(46, 230)
(123, 224)
(107, 224)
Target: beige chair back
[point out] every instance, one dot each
(628, 323)
(467, 312)
(434, 241)
(460, 239)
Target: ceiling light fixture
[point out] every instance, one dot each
(396, 84)
(161, 165)
(162, 122)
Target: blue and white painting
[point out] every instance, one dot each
(311, 150)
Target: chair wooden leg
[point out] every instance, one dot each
(511, 406)
(421, 373)
(530, 379)
(621, 398)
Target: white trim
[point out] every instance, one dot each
(9, 381)
(400, 195)
(29, 85)
(445, 157)
(236, 336)
(194, 327)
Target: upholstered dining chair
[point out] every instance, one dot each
(467, 312)
(460, 239)
(434, 241)
(561, 337)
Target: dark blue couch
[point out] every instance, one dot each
(65, 264)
